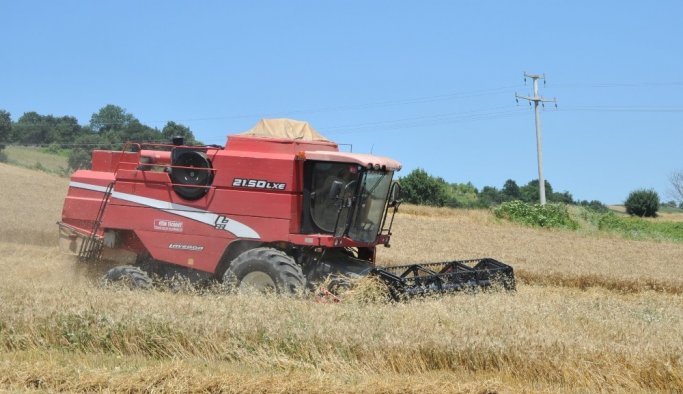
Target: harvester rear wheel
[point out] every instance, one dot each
(130, 276)
(265, 270)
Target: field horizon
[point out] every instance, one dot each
(593, 312)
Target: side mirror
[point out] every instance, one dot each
(335, 190)
(394, 194)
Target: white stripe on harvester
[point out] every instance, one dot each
(239, 229)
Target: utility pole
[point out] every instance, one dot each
(539, 146)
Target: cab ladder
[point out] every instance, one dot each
(91, 248)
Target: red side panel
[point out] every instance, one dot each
(197, 241)
(81, 205)
(188, 250)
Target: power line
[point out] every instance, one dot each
(422, 117)
(351, 107)
(620, 84)
(435, 122)
(607, 108)
(425, 119)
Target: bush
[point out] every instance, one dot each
(643, 203)
(56, 149)
(595, 205)
(40, 167)
(549, 215)
(79, 159)
(461, 195)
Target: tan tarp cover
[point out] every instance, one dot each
(284, 128)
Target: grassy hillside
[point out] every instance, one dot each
(593, 312)
(31, 205)
(38, 159)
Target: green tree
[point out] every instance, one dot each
(136, 131)
(117, 125)
(530, 193)
(420, 188)
(511, 190)
(173, 129)
(110, 118)
(461, 195)
(34, 128)
(66, 129)
(643, 203)
(490, 196)
(31, 128)
(5, 128)
(564, 197)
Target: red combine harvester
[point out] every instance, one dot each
(280, 207)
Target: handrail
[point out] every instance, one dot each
(139, 165)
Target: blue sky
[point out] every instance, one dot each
(430, 83)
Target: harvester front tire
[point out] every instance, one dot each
(128, 275)
(265, 269)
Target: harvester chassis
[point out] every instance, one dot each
(280, 213)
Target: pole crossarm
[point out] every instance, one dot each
(536, 99)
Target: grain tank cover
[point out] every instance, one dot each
(283, 128)
(280, 136)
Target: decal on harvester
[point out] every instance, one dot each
(168, 225)
(191, 248)
(209, 218)
(221, 222)
(258, 184)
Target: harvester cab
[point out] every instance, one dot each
(280, 207)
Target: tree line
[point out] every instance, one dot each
(109, 128)
(419, 187)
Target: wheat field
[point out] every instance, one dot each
(592, 313)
